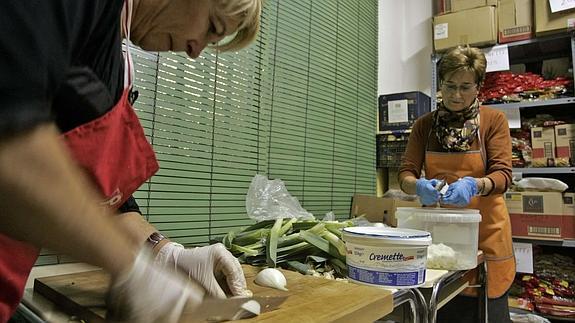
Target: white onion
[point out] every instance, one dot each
(271, 277)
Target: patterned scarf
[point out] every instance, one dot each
(456, 130)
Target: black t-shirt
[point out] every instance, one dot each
(60, 61)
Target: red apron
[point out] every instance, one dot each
(495, 226)
(114, 152)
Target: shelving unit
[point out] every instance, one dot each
(547, 242)
(524, 52)
(545, 170)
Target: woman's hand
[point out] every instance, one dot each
(425, 189)
(206, 265)
(460, 192)
(146, 293)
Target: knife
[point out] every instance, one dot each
(230, 309)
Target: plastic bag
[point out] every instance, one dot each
(541, 184)
(269, 200)
(399, 195)
(329, 216)
(527, 318)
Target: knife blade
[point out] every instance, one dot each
(229, 309)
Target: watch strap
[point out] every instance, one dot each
(154, 239)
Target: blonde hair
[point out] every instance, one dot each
(466, 58)
(249, 12)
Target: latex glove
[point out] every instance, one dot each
(206, 265)
(425, 189)
(460, 192)
(147, 293)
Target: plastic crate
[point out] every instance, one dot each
(399, 111)
(390, 149)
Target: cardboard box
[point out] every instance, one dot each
(441, 7)
(379, 209)
(564, 145)
(513, 202)
(543, 145)
(459, 5)
(568, 216)
(547, 22)
(399, 111)
(541, 214)
(455, 29)
(515, 20)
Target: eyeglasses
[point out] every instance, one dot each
(463, 89)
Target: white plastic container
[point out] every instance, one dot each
(455, 234)
(386, 257)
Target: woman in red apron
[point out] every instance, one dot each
(469, 146)
(45, 199)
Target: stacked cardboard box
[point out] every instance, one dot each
(455, 29)
(564, 145)
(543, 145)
(541, 214)
(515, 20)
(553, 146)
(547, 22)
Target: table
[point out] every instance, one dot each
(311, 299)
(440, 287)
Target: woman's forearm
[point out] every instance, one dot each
(407, 184)
(46, 200)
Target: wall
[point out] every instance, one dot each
(405, 46)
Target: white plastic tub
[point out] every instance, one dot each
(455, 234)
(386, 257)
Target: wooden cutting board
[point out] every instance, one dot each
(311, 299)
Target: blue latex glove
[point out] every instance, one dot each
(460, 192)
(425, 189)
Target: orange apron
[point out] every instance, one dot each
(495, 226)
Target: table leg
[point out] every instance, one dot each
(416, 301)
(482, 293)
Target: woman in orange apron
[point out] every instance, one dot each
(469, 146)
(62, 59)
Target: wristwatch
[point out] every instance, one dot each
(154, 239)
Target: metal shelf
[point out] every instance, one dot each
(547, 316)
(530, 104)
(394, 132)
(545, 170)
(547, 242)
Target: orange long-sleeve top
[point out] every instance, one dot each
(494, 132)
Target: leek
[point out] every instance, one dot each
(272, 243)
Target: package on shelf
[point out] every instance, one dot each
(379, 209)
(547, 22)
(460, 5)
(564, 145)
(398, 111)
(568, 216)
(543, 146)
(455, 29)
(515, 20)
(557, 68)
(541, 214)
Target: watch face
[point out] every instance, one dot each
(155, 237)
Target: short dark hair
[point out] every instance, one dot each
(463, 58)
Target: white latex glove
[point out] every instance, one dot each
(206, 265)
(148, 293)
